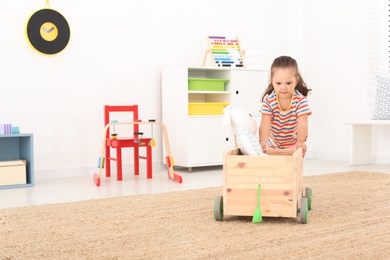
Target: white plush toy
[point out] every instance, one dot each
(244, 128)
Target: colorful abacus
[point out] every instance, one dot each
(224, 52)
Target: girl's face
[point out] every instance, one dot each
(284, 82)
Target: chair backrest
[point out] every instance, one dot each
(110, 109)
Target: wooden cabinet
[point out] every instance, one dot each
(18, 147)
(200, 140)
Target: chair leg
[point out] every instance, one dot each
(136, 161)
(108, 162)
(119, 163)
(149, 162)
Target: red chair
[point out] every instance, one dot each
(122, 142)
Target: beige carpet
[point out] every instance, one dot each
(350, 219)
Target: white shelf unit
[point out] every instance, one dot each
(200, 140)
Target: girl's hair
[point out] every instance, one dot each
(286, 62)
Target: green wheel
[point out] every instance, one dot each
(304, 212)
(218, 208)
(309, 197)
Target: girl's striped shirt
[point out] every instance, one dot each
(284, 123)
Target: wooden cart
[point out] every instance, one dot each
(280, 175)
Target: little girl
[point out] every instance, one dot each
(285, 109)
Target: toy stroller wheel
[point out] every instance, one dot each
(309, 197)
(303, 212)
(218, 208)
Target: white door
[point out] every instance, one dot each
(208, 141)
(247, 89)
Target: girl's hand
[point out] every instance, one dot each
(263, 146)
(304, 147)
(264, 131)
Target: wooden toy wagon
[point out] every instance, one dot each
(280, 175)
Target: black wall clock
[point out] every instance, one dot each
(47, 31)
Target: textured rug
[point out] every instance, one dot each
(350, 219)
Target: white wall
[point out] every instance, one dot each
(337, 57)
(118, 49)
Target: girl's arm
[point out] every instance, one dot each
(302, 133)
(264, 130)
